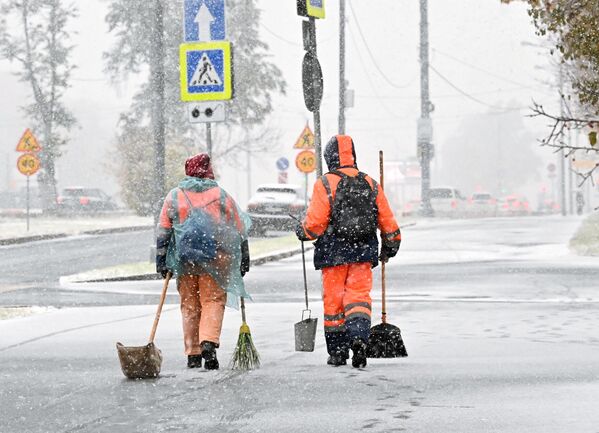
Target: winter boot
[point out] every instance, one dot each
(359, 348)
(194, 361)
(337, 360)
(209, 355)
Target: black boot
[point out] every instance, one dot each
(209, 355)
(337, 359)
(359, 348)
(194, 361)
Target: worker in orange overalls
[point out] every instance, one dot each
(346, 209)
(202, 285)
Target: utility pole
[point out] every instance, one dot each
(561, 153)
(157, 79)
(342, 67)
(425, 146)
(209, 139)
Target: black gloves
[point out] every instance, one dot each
(164, 272)
(245, 258)
(300, 233)
(388, 251)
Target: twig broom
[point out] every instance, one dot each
(246, 356)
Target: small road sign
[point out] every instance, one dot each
(282, 164)
(305, 140)
(205, 71)
(211, 111)
(282, 177)
(28, 142)
(551, 167)
(306, 161)
(28, 164)
(311, 8)
(204, 20)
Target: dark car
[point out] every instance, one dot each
(270, 206)
(84, 200)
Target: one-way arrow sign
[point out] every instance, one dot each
(204, 20)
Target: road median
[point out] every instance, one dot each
(586, 240)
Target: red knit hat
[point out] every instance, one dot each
(199, 166)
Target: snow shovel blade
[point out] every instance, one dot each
(140, 362)
(385, 342)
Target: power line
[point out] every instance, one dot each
(392, 84)
(469, 96)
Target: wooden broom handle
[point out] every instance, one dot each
(159, 310)
(383, 281)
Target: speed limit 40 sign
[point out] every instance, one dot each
(28, 164)
(306, 161)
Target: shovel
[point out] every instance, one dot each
(143, 362)
(385, 339)
(305, 331)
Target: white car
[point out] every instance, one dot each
(270, 207)
(482, 204)
(447, 202)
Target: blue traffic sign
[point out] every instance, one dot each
(205, 71)
(282, 164)
(204, 20)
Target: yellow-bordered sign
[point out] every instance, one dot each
(28, 164)
(305, 140)
(28, 142)
(315, 8)
(306, 161)
(205, 71)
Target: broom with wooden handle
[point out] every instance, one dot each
(385, 339)
(245, 356)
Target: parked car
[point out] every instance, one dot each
(482, 204)
(84, 200)
(514, 205)
(411, 208)
(447, 201)
(270, 206)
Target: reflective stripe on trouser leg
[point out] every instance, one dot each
(333, 283)
(357, 302)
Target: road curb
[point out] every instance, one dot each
(260, 260)
(34, 238)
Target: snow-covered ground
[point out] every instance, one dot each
(499, 320)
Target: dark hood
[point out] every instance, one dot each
(340, 153)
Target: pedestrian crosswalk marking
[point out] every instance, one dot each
(205, 74)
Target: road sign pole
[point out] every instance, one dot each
(306, 192)
(342, 67)
(209, 139)
(425, 146)
(27, 199)
(316, 79)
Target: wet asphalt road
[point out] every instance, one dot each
(498, 316)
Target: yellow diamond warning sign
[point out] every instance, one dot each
(28, 143)
(305, 140)
(28, 164)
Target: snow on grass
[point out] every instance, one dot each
(44, 225)
(7, 313)
(586, 240)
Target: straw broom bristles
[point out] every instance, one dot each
(246, 356)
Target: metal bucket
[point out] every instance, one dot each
(305, 333)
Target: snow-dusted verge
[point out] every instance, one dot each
(15, 228)
(16, 312)
(261, 251)
(586, 240)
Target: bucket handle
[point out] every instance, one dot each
(309, 314)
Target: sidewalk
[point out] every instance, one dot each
(471, 368)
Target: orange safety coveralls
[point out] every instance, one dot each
(202, 300)
(346, 268)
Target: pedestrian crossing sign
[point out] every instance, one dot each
(205, 69)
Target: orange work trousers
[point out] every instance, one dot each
(346, 296)
(202, 310)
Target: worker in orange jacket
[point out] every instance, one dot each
(346, 209)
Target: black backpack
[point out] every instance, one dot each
(354, 216)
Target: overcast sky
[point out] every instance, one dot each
(475, 44)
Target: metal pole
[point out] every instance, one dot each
(571, 197)
(157, 80)
(27, 199)
(249, 173)
(306, 192)
(342, 67)
(561, 153)
(209, 139)
(425, 147)
(317, 142)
